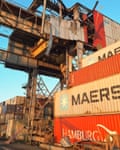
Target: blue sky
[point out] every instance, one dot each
(11, 81)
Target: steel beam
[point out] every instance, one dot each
(25, 63)
(19, 18)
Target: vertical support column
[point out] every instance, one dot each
(65, 71)
(27, 101)
(60, 10)
(43, 17)
(70, 68)
(33, 98)
(79, 45)
(31, 93)
(70, 58)
(76, 13)
(28, 98)
(79, 53)
(67, 68)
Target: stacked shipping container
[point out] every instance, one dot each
(91, 108)
(102, 54)
(10, 115)
(107, 31)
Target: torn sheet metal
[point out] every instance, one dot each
(65, 29)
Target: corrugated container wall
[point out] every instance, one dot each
(9, 108)
(107, 31)
(16, 100)
(91, 108)
(96, 71)
(93, 128)
(97, 97)
(95, 89)
(102, 54)
(112, 30)
(16, 126)
(99, 35)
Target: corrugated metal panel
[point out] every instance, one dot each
(10, 128)
(85, 28)
(94, 128)
(65, 29)
(8, 101)
(107, 26)
(99, 35)
(3, 130)
(115, 30)
(9, 116)
(10, 108)
(20, 99)
(101, 69)
(19, 60)
(112, 31)
(97, 97)
(109, 40)
(15, 128)
(102, 54)
(2, 118)
(16, 100)
(17, 48)
(107, 31)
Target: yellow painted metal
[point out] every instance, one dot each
(42, 45)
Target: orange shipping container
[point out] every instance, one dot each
(86, 127)
(99, 70)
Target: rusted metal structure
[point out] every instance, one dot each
(45, 43)
(38, 45)
(27, 25)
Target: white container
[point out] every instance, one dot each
(112, 30)
(96, 97)
(101, 54)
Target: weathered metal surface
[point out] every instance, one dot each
(102, 54)
(20, 18)
(16, 100)
(40, 48)
(97, 97)
(106, 32)
(97, 71)
(65, 29)
(93, 90)
(97, 128)
(26, 62)
(31, 23)
(112, 30)
(16, 59)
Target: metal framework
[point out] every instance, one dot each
(41, 44)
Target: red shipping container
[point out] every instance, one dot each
(86, 127)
